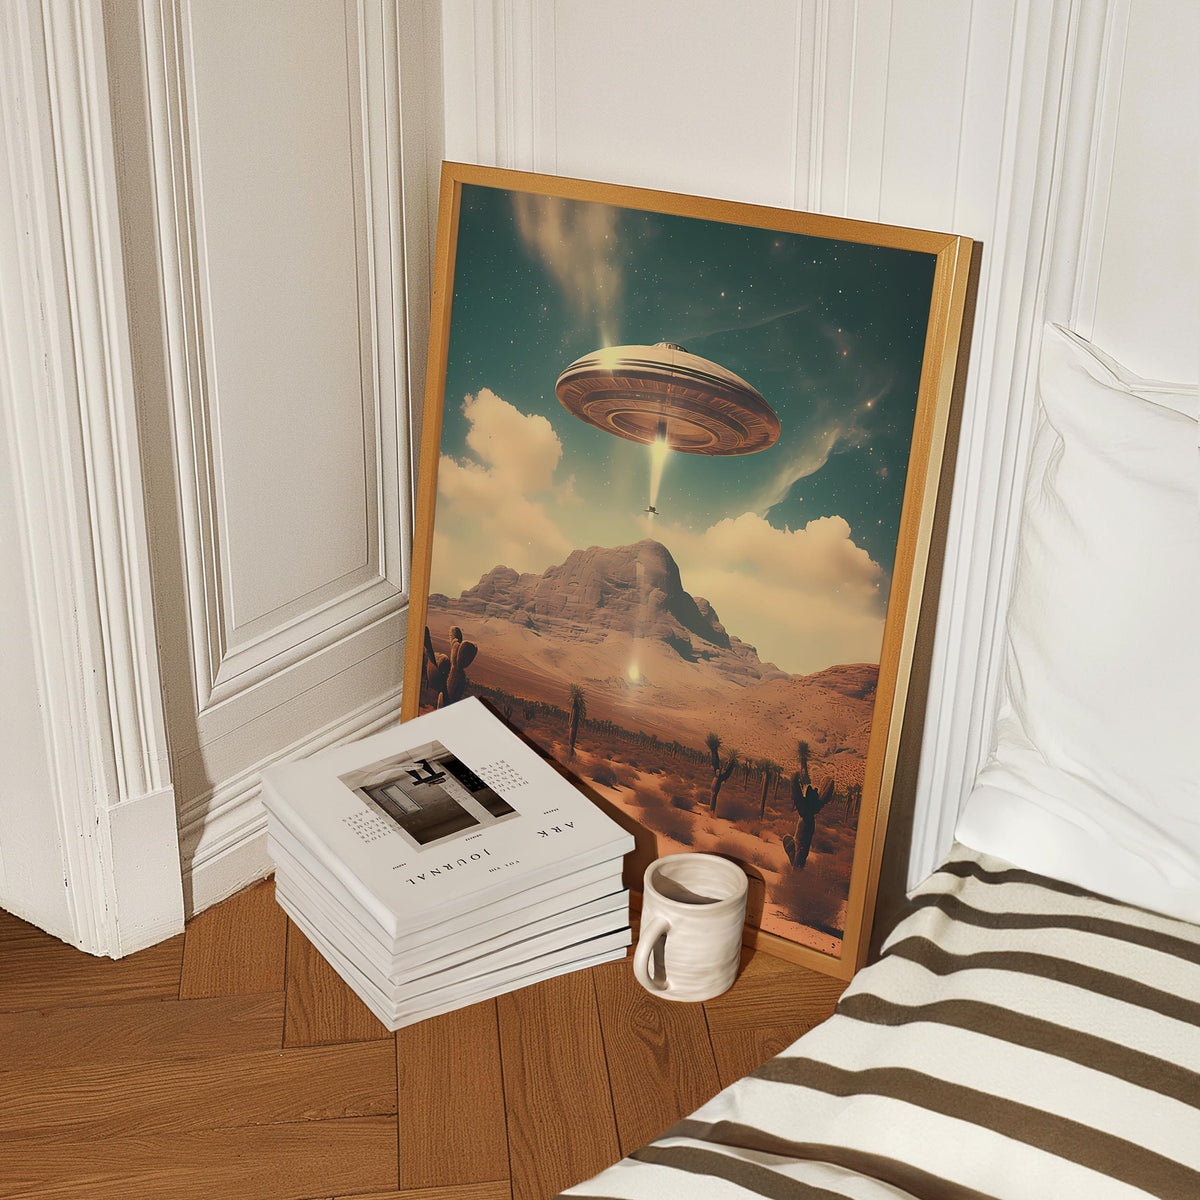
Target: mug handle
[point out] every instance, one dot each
(647, 940)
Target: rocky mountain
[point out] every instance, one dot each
(856, 680)
(651, 656)
(634, 590)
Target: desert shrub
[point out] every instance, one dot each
(736, 806)
(671, 789)
(625, 775)
(815, 896)
(678, 826)
(837, 840)
(826, 841)
(751, 848)
(602, 774)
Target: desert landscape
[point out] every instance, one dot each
(609, 664)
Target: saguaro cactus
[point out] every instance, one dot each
(807, 801)
(434, 669)
(462, 655)
(721, 770)
(578, 710)
(770, 772)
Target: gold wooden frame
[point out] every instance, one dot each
(941, 349)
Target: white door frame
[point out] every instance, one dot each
(73, 424)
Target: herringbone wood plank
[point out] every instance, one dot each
(321, 1008)
(496, 1189)
(291, 1161)
(448, 1066)
(236, 948)
(770, 991)
(218, 1092)
(660, 1063)
(561, 1127)
(42, 972)
(740, 1051)
(139, 1031)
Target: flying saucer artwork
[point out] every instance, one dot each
(678, 472)
(661, 393)
(667, 399)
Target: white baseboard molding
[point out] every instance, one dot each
(237, 865)
(223, 844)
(144, 894)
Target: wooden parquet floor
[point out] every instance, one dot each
(231, 1061)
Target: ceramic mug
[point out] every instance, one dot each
(694, 905)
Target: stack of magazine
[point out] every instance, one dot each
(444, 861)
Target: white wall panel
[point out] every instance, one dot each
(1145, 246)
(923, 112)
(279, 206)
(826, 162)
(690, 97)
(31, 853)
(979, 191)
(270, 290)
(219, 250)
(867, 69)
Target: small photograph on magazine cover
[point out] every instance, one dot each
(428, 793)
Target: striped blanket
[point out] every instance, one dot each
(1019, 1039)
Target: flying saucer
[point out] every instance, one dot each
(662, 393)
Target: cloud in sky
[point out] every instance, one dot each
(812, 452)
(578, 244)
(807, 459)
(805, 598)
(498, 509)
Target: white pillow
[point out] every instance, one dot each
(1095, 776)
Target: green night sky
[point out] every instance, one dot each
(830, 333)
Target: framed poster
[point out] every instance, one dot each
(678, 472)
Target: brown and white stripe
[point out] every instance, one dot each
(1019, 1039)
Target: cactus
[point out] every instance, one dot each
(462, 655)
(721, 770)
(434, 669)
(770, 772)
(854, 799)
(807, 801)
(578, 710)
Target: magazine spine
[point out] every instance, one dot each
(279, 811)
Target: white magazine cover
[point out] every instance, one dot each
(309, 875)
(442, 815)
(397, 1015)
(605, 915)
